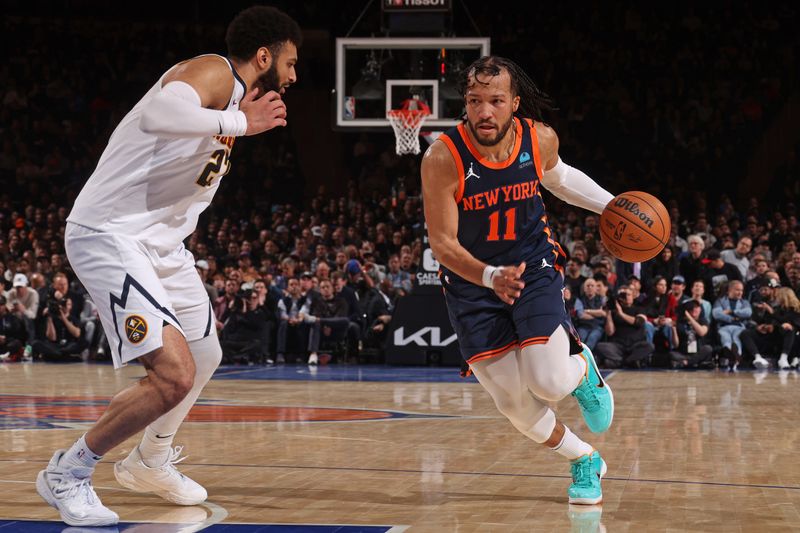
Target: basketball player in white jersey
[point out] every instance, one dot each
(160, 170)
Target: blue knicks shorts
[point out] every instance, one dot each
(488, 327)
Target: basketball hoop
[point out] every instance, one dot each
(406, 123)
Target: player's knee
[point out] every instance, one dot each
(173, 376)
(550, 387)
(183, 384)
(175, 387)
(207, 355)
(547, 368)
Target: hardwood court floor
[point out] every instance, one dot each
(693, 451)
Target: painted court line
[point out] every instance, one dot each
(461, 473)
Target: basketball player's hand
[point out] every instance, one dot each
(507, 282)
(263, 113)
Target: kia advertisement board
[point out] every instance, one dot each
(420, 332)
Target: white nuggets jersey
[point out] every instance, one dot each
(151, 188)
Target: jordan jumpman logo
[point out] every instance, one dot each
(471, 173)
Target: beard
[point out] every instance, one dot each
(269, 80)
(501, 132)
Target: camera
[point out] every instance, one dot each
(241, 298)
(55, 305)
(613, 299)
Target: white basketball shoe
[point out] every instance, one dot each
(69, 489)
(164, 480)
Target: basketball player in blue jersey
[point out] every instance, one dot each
(502, 270)
(124, 239)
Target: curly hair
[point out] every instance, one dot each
(259, 26)
(533, 101)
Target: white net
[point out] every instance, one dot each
(406, 124)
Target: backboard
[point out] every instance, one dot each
(374, 75)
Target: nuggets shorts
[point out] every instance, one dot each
(138, 289)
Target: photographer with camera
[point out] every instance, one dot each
(245, 335)
(627, 338)
(64, 341)
(60, 285)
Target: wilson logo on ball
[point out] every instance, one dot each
(634, 226)
(633, 208)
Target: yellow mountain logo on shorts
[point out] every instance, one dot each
(135, 328)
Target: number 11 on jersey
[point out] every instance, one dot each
(494, 225)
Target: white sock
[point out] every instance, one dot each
(571, 446)
(155, 448)
(80, 456)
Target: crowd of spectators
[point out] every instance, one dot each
(299, 272)
(695, 305)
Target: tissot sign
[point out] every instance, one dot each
(405, 6)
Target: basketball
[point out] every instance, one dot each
(634, 226)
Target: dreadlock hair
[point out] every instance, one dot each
(259, 26)
(532, 101)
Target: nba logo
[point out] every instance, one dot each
(620, 230)
(349, 108)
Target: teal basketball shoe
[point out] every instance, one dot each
(587, 471)
(594, 396)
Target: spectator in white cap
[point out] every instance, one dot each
(23, 302)
(202, 269)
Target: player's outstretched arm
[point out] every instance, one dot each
(440, 182)
(193, 98)
(568, 183)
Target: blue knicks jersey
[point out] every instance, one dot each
(501, 214)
